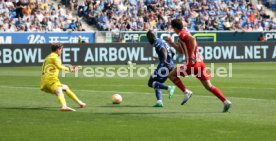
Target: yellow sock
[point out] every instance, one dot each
(72, 95)
(61, 100)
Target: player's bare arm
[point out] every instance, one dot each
(75, 68)
(174, 45)
(192, 40)
(164, 56)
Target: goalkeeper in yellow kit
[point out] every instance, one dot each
(49, 78)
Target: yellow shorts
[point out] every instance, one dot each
(50, 87)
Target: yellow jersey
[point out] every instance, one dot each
(50, 70)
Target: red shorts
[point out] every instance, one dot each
(199, 70)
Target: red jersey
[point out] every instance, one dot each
(186, 47)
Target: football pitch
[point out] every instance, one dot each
(27, 114)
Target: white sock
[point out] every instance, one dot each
(227, 101)
(159, 101)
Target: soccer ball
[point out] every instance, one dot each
(129, 62)
(117, 99)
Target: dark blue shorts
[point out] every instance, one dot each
(161, 73)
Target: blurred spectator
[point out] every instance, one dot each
(19, 9)
(1, 28)
(262, 37)
(269, 4)
(74, 4)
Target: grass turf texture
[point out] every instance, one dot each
(27, 114)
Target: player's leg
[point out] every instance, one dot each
(153, 83)
(216, 91)
(173, 76)
(158, 92)
(73, 96)
(204, 76)
(176, 80)
(62, 100)
(157, 82)
(56, 88)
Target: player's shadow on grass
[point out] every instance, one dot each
(138, 113)
(202, 112)
(30, 108)
(123, 106)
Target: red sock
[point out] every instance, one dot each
(218, 93)
(179, 84)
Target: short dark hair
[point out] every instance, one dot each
(177, 23)
(151, 37)
(55, 47)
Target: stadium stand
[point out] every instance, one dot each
(141, 15)
(135, 15)
(36, 15)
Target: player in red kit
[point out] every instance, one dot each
(187, 46)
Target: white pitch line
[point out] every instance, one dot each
(132, 85)
(94, 91)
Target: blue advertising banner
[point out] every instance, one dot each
(46, 37)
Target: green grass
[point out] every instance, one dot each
(27, 114)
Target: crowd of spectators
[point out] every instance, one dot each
(134, 15)
(36, 15)
(198, 15)
(271, 4)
